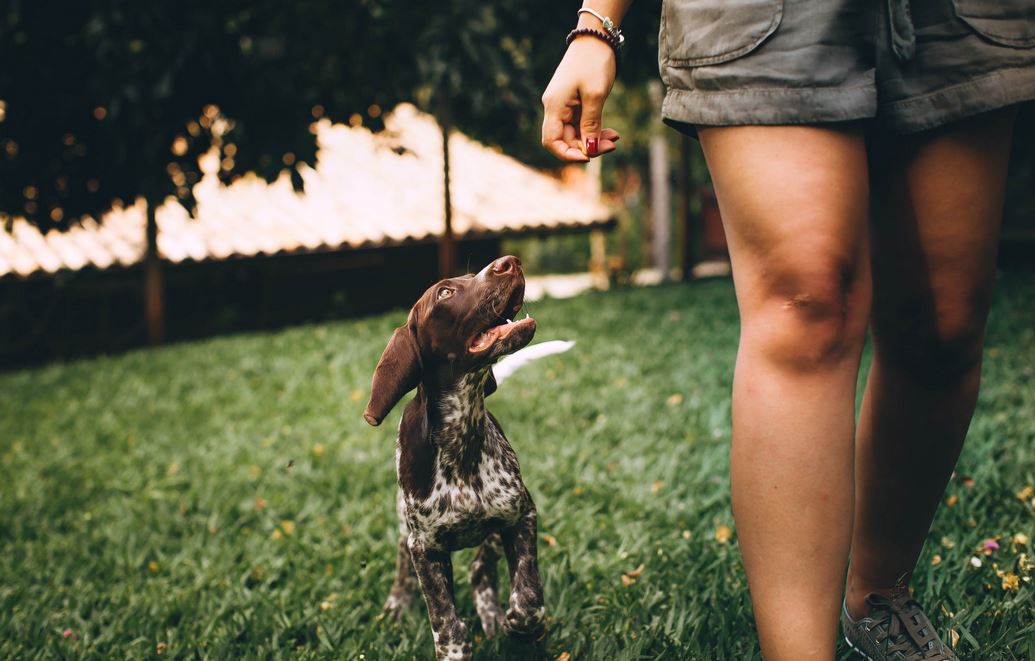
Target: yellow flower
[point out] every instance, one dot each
(1024, 564)
(630, 577)
(1011, 581)
(723, 534)
(936, 560)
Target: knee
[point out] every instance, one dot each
(934, 339)
(809, 316)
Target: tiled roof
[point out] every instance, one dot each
(366, 190)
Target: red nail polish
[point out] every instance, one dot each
(591, 146)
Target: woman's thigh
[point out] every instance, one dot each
(937, 209)
(794, 202)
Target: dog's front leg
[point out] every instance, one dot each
(526, 617)
(435, 572)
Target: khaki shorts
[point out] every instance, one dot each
(912, 65)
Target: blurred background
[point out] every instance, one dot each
(179, 170)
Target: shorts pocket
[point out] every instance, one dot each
(699, 32)
(1006, 22)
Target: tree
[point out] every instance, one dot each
(108, 101)
(113, 100)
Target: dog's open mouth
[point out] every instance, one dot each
(503, 325)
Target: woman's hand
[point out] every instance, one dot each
(574, 100)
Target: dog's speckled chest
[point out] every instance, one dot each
(477, 486)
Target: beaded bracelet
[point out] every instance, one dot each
(603, 36)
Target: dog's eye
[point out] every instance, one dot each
(444, 293)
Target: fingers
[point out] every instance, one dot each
(566, 132)
(589, 124)
(608, 138)
(559, 134)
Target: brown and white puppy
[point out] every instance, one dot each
(459, 480)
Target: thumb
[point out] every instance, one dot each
(590, 122)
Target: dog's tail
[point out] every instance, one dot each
(515, 361)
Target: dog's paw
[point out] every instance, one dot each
(527, 626)
(452, 642)
(454, 652)
(492, 622)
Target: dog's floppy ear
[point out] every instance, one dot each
(397, 373)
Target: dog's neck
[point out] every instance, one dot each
(457, 420)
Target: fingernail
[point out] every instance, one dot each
(591, 146)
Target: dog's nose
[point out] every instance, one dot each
(509, 265)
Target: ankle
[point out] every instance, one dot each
(856, 590)
(855, 603)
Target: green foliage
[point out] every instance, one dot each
(110, 100)
(224, 498)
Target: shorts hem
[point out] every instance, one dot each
(991, 91)
(769, 106)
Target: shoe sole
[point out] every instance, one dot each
(857, 650)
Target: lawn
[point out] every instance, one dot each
(225, 498)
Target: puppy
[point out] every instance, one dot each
(459, 480)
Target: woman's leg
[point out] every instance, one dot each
(937, 206)
(794, 202)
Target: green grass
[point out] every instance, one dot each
(225, 498)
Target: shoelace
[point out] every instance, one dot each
(906, 627)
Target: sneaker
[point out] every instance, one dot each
(895, 630)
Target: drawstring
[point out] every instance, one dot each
(903, 39)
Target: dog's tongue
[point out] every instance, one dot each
(484, 340)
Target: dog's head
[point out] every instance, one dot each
(458, 326)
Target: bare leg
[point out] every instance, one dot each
(526, 617)
(483, 584)
(405, 586)
(435, 571)
(794, 202)
(937, 211)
